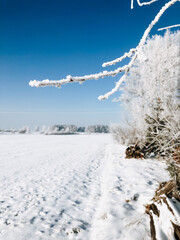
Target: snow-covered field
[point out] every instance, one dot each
(73, 187)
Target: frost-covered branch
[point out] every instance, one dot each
(143, 3)
(80, 79)
(134, 53)
(129, 54)
(165, 28)
(138, 49)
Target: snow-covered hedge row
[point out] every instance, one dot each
(59, 129)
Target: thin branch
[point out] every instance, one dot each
(143, 3)
(146, 3)
(173, 26)
(80, 79)
(128, 54)
(115, 89)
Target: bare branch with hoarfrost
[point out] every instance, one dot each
(129, 54)
(80, 79)
(134, 53)
(143, 3)
(165, 28)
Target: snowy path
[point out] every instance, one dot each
(73, 187)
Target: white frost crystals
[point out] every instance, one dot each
(133, 53)
(152, 89)
(143, 3)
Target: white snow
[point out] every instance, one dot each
(74, 187)
(163, 223)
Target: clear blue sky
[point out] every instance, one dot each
(54, 38)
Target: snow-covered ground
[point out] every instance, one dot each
(73, 187)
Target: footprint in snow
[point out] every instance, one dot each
(104, 216)
(72, 231)
(135, 197)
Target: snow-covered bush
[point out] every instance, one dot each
(126, 135)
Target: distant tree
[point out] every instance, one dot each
(44, 129)
(81, 129)
(25, 129)
(36, 129)
(97, 129)
(64, 128)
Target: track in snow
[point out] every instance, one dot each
(73, 187)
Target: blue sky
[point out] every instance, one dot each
(51, 39)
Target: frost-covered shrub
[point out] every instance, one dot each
(127, 135)
(151, 93)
